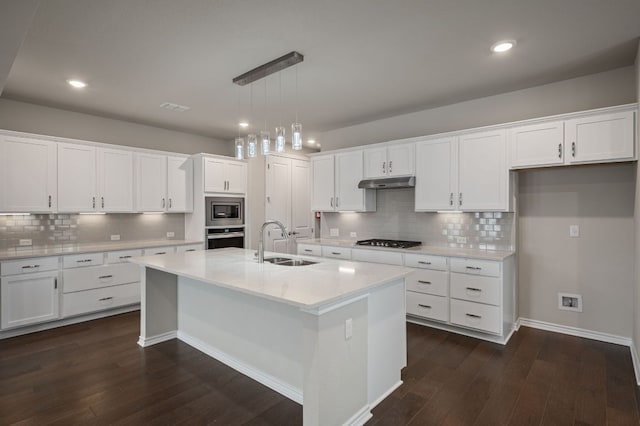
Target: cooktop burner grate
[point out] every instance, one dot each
(388, 243)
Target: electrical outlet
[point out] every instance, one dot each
(348, 329)
(353, 235)
(115, 237)
(574, 231)
(461, 240)
(171, 234)
(334, 232)
(570, 302)
(25, 242)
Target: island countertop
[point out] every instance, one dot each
(307, 287)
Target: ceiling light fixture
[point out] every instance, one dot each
(77, 84)
(311, 141)
(503, 46)
(243, 124)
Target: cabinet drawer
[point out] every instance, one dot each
(488, 268)
(336, 252)
(377, 256)
(309, 250)
(158, 250)
(476, 315)
(100, 276)
(80, 260)
(121, 256)
(427, 306)
(476, 288)
(25, 266)
(82, 302)
(429, 282)
(425, 261)
(191, 247)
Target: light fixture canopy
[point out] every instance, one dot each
(503, 46)
(77, 83)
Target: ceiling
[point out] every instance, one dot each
(364, 59)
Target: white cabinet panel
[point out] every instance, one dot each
(487, 268)
(151, 182)
(122, 256)
(309, 250)
(603, 137)
(189, 248)
(236, 174)
(179, 184)
(476, 315)
(476, 288)
(400, 159)
(348, 197)
(278, 205)
(28, 299)
(375, 162)
(428, 306)
(82, 302)
(115, 180)
(427, 261)
(27, 266)
(376, 256)
(77, 185)
(429, 281)
(537, 145)
(79, 279)
(158, 250)
(82, 260)
(28, 174)
(226, 176)
(437, 175)
(323, 183)
(301, 216)
(336, 252)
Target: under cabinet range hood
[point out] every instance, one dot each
(384, 183)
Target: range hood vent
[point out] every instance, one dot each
(385, 183)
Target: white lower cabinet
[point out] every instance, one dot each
(190, 247)
(29, 298)
(336, 252)
(428, 306)
(82, 302)
(309, 250)
(477, 316)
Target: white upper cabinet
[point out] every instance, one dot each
(225, 176)
(600, 138)
(537, 145)
(437, 175)
(348, 197)
(151, 182)
(323, 183)
(115, 180)
(179, 184)
(77, 185)
(394, 160)
(483, 174)
(28, 171)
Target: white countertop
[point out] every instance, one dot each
(431, 250)
(310, 286)
(58, 249)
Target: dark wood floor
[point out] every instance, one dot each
(94, 373)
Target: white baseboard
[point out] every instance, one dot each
(361, 417)
(636, 363)
(575, 331)
(154, 340)
(389, 391)
(274, 383)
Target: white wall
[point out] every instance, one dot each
(31, 118)
(636, 317)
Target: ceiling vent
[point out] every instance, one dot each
(174, 107)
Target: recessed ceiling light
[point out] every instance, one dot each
(503, 46)
(243, 124)
(77, 84)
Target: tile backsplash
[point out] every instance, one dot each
(395, 218)
(68, 229)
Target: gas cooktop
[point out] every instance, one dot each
(388, 243)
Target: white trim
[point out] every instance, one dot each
(154, 340)
(575, 331)
(389, 391)
(321, 310)
(274, 383)
(501, 339)
(361, 417)
(636, 362)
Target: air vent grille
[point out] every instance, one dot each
(174, 107)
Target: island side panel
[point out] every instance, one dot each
(260, 338)
(158, 307)
(335, 367)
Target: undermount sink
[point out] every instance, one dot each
(287, 261)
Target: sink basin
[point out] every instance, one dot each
(287, 261)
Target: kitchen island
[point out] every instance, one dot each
(330, 335)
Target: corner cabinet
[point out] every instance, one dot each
(335, 183)
(224, 176)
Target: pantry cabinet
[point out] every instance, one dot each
(394, 160)
(28, 171)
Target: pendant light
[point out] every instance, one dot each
(239, 142)
(280, 133)
(252, 139)
(265, 137)
(296, 128)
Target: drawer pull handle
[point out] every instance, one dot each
(474, 316)
(125, 257)
(308, 250)
(422, 262)
(190, 250)
(424, 306)
(30, 266)
(105, 277)
(105, 298)
(84, 260)
(336, 253)
(161, 252)
(474, 268)
(424, 282)
(474, 289)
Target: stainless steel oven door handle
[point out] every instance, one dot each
(227, 235)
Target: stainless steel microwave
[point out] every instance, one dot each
(224, 211)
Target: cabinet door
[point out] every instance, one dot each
(348, 173)
(437, 175)
(214, 175)
(483, 173)
(235, 174)
(28, 173)
(400, 158)
(537, 145)
(115, 180)
(77, 186)
(179, 184)
(600, 138)
(301, 216)
(151, 186)
(29, 299)
(322, 195)
(278, 197)
(375, 163)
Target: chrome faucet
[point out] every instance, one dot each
(260, 241)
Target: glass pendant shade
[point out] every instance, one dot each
(296, 136)
(265, 141)
(280, 139)
(240, 148)
(252, 145)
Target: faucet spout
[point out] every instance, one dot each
(285, 234)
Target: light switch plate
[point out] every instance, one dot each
(334, 232)
(574, 231)
(171, 234)
(348, 329)
(115, 237)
